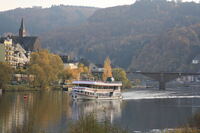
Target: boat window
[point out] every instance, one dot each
(106, 87)
(94, 86)
(100, 87)
(84, 85)
(111, 87)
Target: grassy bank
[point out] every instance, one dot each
(22, 87)
(27, 87)
(185, 130)
(193, 125)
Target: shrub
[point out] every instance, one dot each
(89, 124)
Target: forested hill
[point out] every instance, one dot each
(40, 20)
(150, 35)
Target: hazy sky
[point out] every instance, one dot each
(11, 4)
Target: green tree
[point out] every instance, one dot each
(107, 69)
(5, 74)
(46, 67)
(120, 75)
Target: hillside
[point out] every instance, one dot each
(130, 35)
(171, 51)
(149, 35)
(40, 20)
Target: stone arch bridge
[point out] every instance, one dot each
(164, 77)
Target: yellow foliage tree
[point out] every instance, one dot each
(74, 74)
(107, 69)
(46, 67)
(5, 74)
(120, 75)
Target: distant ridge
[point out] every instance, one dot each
(149, 35)
(40, 20)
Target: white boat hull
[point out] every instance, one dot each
(77, 96)
(96, 90)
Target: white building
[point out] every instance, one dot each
(71, 65)
(196, 60)
(15, 55)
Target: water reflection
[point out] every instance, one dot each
(144, 115)
(52, 112)
(102, 109)
(38, 112)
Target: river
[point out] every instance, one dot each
(144, 110)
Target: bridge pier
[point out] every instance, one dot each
(162, 85)
(164, 77)
(162, 81)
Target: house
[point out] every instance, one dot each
(8, 49)
(16, 50)
(13, 54)
(69, 62)
(71, 65)
(96, 68)
(21, 56)
(196, 60)
(65, 58)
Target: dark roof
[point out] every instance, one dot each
(65, 58)
(29, 43)
(99, 65)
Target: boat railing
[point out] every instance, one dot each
(95, 80)
(101, 81)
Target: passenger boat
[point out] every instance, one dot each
(89, 90)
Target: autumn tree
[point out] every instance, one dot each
(5, 74)
(107, 69)
(74, 74)
(119, 74)
(46, 67)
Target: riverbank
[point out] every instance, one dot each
(26, 87)
(22, 87)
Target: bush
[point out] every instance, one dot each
(192, 127)
(89, 124)
(195, 121)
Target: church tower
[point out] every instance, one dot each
(22, 30)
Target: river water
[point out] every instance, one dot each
(144, 110)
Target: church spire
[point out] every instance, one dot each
(22, 30)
